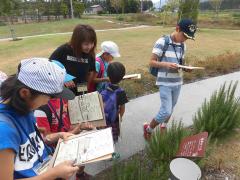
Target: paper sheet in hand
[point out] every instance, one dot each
(132, 76)
(190, 67)
(87, 107)
(86, 148)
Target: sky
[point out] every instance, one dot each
(157, 2)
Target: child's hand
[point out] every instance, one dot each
(65, 135)
(42, 130)
(106, 79)
(170, 65)
(86, 126)
(65, 170)
(187, 70)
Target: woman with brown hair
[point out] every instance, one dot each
(78, 57)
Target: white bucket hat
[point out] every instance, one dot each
(111, 48)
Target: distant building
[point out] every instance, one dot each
(95, 9)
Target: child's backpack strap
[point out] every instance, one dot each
(183, 51)
(154, 70)
(102, 68)
(165, 47)
(47, 111)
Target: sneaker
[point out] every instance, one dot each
(163, 127)
(146, 134)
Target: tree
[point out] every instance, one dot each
(39, 8)
(116, 4)
(124, 4)
(133, 6)
(188, 9)
(108, 6)
(78, 8)
(147, 5)
(216, 4)
(173, 4)
(9, 8)
(64, 9)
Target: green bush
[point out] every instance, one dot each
(236, 15)
(163, 147)
(153, 165)
(220, 115)
(120, 18)
(132, 170)
(2, 23)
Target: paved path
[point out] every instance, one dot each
(100, 30)
(143, 109)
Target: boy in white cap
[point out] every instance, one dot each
(109, 51)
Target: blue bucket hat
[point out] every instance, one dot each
(68, 77)
(188, 27)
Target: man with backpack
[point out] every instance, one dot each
(114, 98)
(109, 51)
(168, 52)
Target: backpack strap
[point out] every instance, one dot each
(165, 47)
(102, 68)
(48, 112)
(183, 51)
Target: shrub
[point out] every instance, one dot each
(131, 170)
(120, 18)
(220, 115)
(163, 147)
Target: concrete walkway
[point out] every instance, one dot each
(144, 108)
(54, 34)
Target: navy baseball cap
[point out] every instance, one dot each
(188, 27)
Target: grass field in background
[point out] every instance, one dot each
(55, 27)
(135, 46)
(226, 19)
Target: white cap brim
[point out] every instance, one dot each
(116, 55)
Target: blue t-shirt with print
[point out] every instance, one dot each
(101, 86)
(15, 130)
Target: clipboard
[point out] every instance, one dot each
(104, 136)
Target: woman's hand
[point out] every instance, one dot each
(70, 84)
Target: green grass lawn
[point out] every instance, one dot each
(135, 46)
(55, 26)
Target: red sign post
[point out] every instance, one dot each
(193, 146)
